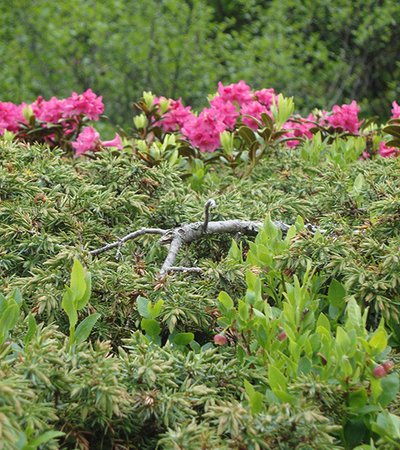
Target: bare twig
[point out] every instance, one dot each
(129, 236)
(185, 269)
(187, 233)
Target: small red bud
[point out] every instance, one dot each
(282, 336)
(388, 365)
(379, 371)
(220, 339)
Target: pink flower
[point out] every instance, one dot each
(10, 116)
(48, 110)
(265, 96)
(226, 111)
(237, 92)
(116, 142)
(176, 116)
(299, 129)
(203, 131)
(87, 103)
(388, 152)
(220, 339)
(345, 117)
(379, 372)
(395, 110)
(254, 109)
(88, 139)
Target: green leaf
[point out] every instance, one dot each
(390, 386)
(182, 338)
(353, 311)
(225, 300)
(43, 439)
(336, 294)
(255, 398)
(151, 327)
(78, 284)
(155, 310)
(247, 134)
(68, 306)
(142, 305)
(378, 341)
(277, 380)
(9, 317)
(387, 424)
(84, 329)
(32, 327)
(82, 302)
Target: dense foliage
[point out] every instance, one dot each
(285, 342)
(321, 52)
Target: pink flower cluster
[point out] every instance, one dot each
(87, 104)
(10, 116)
(69, 112)
(231, 102)
(345, 117)
(89, 140)
(300, 128)
(395, 111)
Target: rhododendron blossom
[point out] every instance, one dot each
(116, 142)
(299, 128)
(253, 109)
(345, 117)
(388, 152)
(225, 111)
(176, 116)
(89, 140)
(266, 97)
(88, 104)
(395, 110)
(237, 92)
(203, 131)
(48, 110)
(10, 116)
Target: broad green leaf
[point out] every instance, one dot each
(151, 327)
(353, 311)
(9, 317)
(32, 327)
(255, 398)
(155, 310)
(183, 338)
(82, 302)
(390, 387)
(84, 329)
(378, 341)
(336, 294)
(78, 284)
(68, 306)
(142, 305)
(323, 321)
(277, 380)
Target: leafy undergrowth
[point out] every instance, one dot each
(283, 341)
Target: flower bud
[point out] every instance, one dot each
(282, 336)
(227, 142)
(379, 371)
(140, 121)
(164, 105)
(148, 98)
(388, 365)
(220, 339)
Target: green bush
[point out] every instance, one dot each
(150, 375)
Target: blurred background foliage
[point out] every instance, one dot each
(322, 52)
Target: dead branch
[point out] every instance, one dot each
(188, 233)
